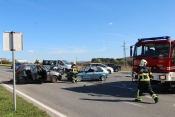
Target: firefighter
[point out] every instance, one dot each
(143, 76)
(74, 71)
(37, 61)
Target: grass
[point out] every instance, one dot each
(5, 65)
(23, 108)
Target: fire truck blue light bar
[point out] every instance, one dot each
(154, 38)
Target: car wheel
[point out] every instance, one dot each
(21, 80)
(59, 77)
(54, 79)
(116, 70)
(109, 71)
(103, 78)
(79, 78)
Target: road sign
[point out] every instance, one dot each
(12, 41)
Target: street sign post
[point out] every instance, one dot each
(13, 41)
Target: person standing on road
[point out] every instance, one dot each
(143, 76)
(74, 71)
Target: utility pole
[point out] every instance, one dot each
(124, 53)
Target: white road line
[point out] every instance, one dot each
(174, 104)
(37, 102)
(134, 104)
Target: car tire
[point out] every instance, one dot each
(109, 71)
(79, 78)
(21, 80)
(59, 77)
(103, 78)
(54, 79)
(116, 70)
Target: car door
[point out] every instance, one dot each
(47, 73)
(34, 72)
(98, 72)
(88, 74)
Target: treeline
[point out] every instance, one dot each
(119, 61)
(7, 62)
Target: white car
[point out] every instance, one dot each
(109, 69)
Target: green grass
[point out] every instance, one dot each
(5, 65)
(23, 108)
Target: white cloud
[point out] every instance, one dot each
(110, 23)
(31, 51)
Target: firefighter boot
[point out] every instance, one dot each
(156, 99)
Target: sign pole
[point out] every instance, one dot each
(14, 80)
(13, 41)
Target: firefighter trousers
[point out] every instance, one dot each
(142, 86)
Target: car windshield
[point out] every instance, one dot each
(66, 62)
(152, 49)
(103, 65)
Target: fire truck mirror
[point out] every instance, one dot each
(130, 51)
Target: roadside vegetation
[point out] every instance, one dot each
(23, 108)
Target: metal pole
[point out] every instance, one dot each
(14, 81)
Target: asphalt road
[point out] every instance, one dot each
(111, 98)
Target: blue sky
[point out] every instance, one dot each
(83, 29)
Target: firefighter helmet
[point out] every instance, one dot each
(143, 62)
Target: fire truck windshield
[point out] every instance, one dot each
(152, 49)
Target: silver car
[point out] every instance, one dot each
(35, 72)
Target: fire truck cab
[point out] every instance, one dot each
(160, 55)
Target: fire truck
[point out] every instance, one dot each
(159, 52)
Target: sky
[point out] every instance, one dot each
(79, 30)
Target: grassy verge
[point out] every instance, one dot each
(23, 108)
(5, 65)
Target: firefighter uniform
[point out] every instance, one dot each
(143, 76)
(37, 61)
(74, 71)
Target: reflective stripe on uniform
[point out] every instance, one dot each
(144, 77)
(138, 97)
(154, 96)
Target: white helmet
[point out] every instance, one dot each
(143, 62)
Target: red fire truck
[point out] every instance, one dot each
(160, 55)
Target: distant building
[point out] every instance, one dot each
(3, 59)
(22, 61)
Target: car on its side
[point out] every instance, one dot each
(115, 67)
(90, 73)
(109, 69)
(35, 72)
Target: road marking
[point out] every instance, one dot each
(134, 104)
(37, 102)
(174, 104)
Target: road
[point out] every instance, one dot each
(111, 98)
